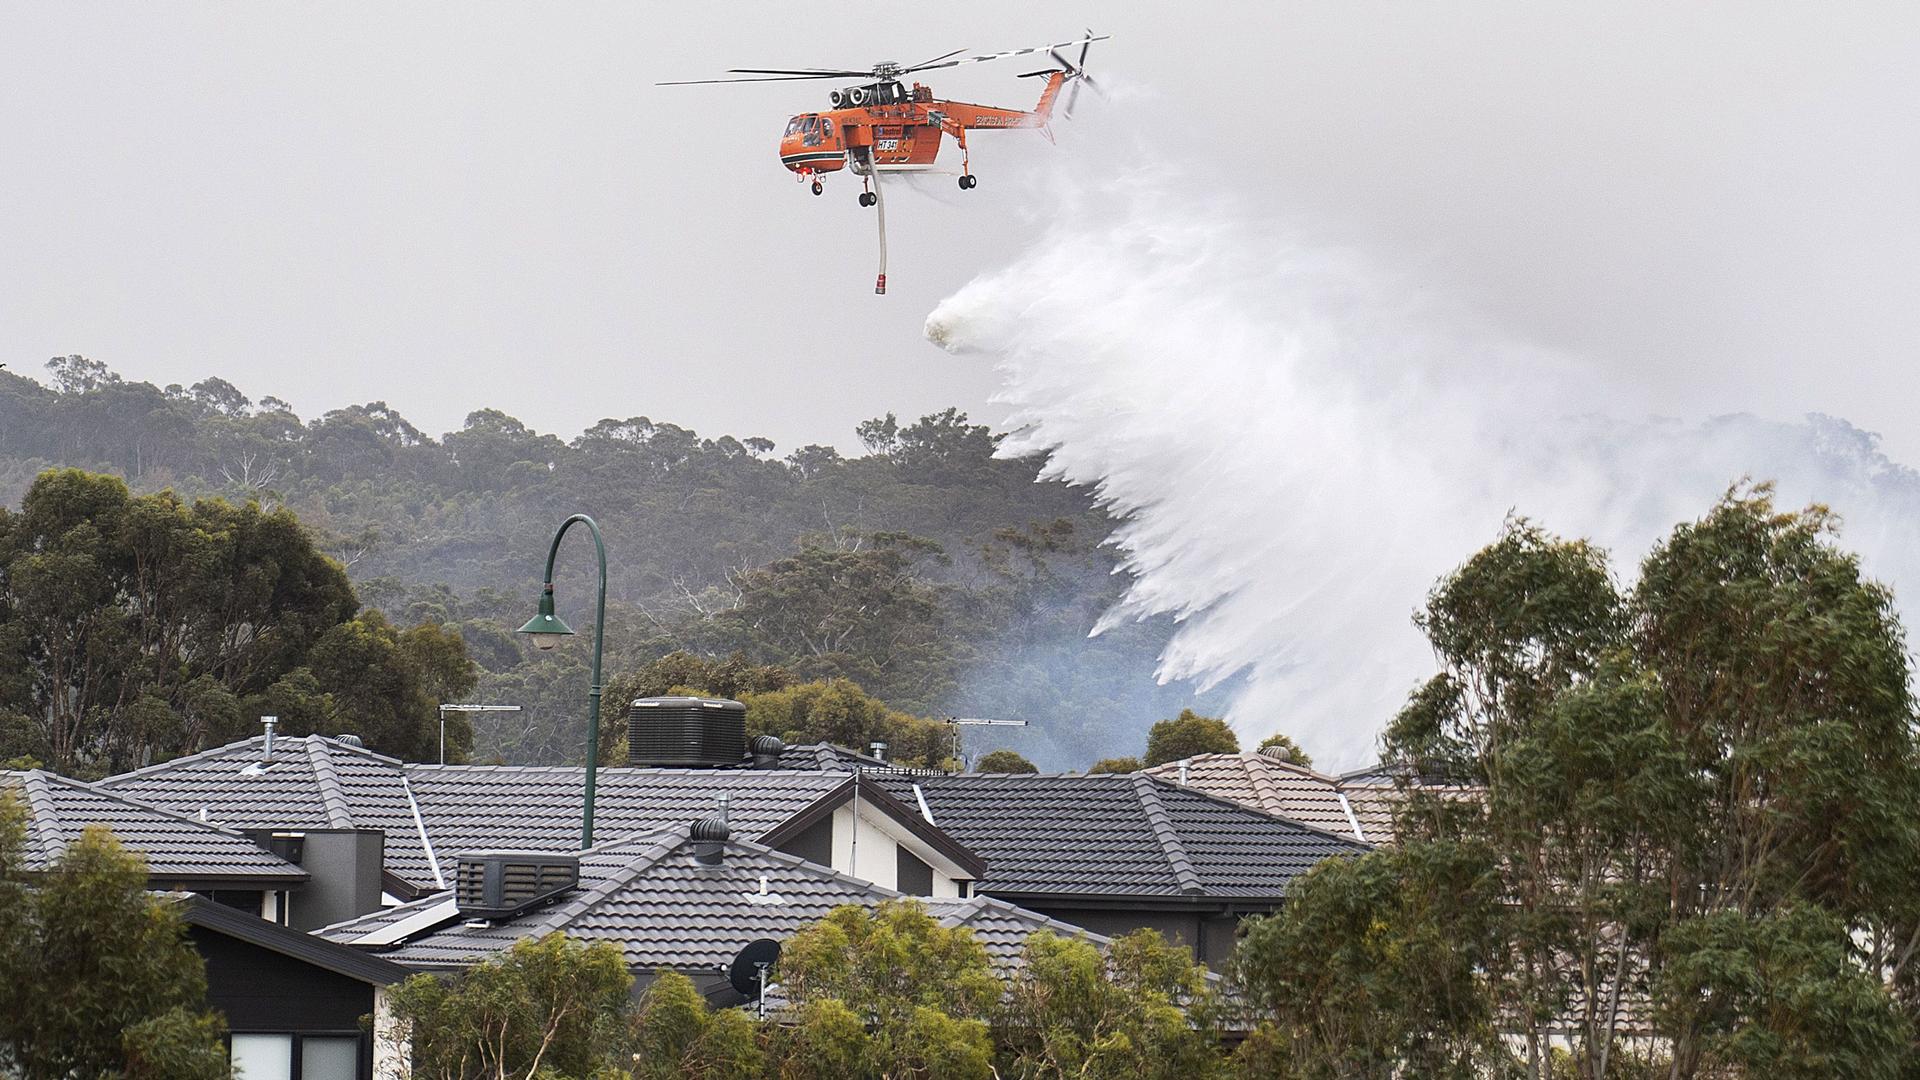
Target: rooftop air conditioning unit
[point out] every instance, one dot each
(501, 884)
(686, 732)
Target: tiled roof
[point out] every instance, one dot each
(477, 807)
(1118, 835)
(663, 909)
(177, 848)
(1361, 811)
(312, 782)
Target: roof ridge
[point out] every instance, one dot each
(333, 743)
(1220, 800)
(1263, 786)
(1169, 840)
(43, 817)
(339, 814)
(142, 804)
(210, 753)
(557, 916)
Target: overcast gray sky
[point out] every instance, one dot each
(456, 206)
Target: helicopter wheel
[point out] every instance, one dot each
(818, 187)
(867, 198)
(968, 182)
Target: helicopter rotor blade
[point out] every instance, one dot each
(1003, 55)
(812, 73)
(937, 59)
(757, 78)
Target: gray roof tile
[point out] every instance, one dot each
(1120, 835)
(665, 910)
(474, 808)
(1291, 791)
(177, 848)
(313, 782)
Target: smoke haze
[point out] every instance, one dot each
(1300, 444)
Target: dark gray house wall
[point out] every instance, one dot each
(1210, 934)
(343, 867)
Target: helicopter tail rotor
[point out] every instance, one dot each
(1076, 74)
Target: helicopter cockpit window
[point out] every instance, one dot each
(793, 125)
(826, 128)
(812, 131)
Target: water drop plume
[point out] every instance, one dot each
(1298, 444)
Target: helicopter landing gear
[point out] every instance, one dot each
(867, 198)
(968, 181)
(818, 187)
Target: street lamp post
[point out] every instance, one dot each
(547, 629)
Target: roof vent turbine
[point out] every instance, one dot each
(709, 836)
(766, 751)
(269, 722)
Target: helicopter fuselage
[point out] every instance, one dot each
(889, 126)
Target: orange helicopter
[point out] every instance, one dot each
(883, 125)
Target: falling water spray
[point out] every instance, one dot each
(1298, 445)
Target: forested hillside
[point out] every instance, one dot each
(942, 580)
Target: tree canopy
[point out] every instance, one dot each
(137, 627)
(975, 582)
(1673, 822)
(1187, 735)
(97, 977)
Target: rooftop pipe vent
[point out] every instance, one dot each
(686, 732)
(501, 884)
(709, 836)
(766, 751)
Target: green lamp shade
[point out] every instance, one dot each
(546, 624)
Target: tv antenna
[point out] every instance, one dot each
(965, 722)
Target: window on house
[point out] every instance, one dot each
(915, 878)
(296, 1057)
(263, 1057)
(329, 1058)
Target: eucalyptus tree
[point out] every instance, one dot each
(1698, 802)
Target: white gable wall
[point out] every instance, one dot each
(867, 845)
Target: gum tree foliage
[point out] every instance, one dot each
(1375, 967)
(548, 1006)
(924, 992)
(1695, 802)
(1115, 765)
(97, 977)
(678, 1037)
(453, 530)
(1293, 752)
(863, 611)
(780, 703)
(1144, 1010)
(1187, 735)
(137, 627)
(1003, 761)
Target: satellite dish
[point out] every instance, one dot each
(747, 972)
